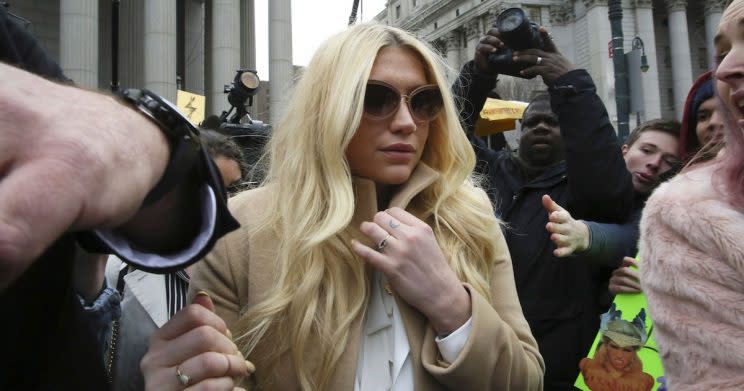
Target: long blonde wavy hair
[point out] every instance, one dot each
(322, 286)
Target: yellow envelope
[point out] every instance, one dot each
(499, 116)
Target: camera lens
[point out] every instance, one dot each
(510, 20)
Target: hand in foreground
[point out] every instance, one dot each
(71, 160)
(408, 254)
(193, 351)
(548, 63)
(625, 279)
(570, 236)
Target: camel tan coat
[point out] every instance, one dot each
(500, 354)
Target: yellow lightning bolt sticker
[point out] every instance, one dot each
(192, 106)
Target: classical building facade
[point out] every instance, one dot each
(193, 45)
(677, 36)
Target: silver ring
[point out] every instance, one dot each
(183, 379)
(383, 243)
(539, 60)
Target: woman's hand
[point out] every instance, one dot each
(194, 351)
(570, 236)
(408, 254)
(625, 279)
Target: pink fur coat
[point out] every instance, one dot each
(692, 271)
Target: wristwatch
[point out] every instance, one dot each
(182, 136)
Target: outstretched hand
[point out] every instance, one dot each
(569, 235)
(194, 350)
(625, 279)
(408, 254)
(548, 63)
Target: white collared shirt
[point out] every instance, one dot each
(385, 357)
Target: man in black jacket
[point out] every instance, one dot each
(569, 150)
(75, 160)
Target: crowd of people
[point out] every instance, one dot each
(387, 246)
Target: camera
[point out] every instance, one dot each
(518, 33)
(251, 135)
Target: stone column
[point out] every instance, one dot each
(225, 51)
(680, 46)
(160, 47)
(248, 35)
(194, 43)
(79, 41)
(645, 30)
(600, 65)
(131, 44)
(713, 12)
(453, 50)
(280, 55)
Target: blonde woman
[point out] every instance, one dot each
(368, 259)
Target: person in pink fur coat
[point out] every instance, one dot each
(692, 245)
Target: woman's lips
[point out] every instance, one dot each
(397, 156)
(399, 152)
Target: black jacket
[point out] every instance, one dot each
(560, 297)
(46, 340)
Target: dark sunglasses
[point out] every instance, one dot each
(381, 100)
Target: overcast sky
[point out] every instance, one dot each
(312, 22)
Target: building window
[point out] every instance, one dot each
(435, 25)
(457, 12)
(534, 13)
(397, 11)
(413, 2)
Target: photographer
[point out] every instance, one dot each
(568, 150)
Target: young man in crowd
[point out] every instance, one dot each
(651, 155)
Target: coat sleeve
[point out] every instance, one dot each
(470, 91)
(599, 184)
(501, 353)
(610, 242)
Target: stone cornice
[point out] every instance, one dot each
(473, 28)
(592, 3)
(561, 15)
(452, 40)
(714, 6)
(676, 5)
(643, 3)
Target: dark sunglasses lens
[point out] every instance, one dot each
(426, 104)
(380, 100)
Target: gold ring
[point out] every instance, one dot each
(183, 379)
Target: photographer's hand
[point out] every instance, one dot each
(549, 63)
(487, 45)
